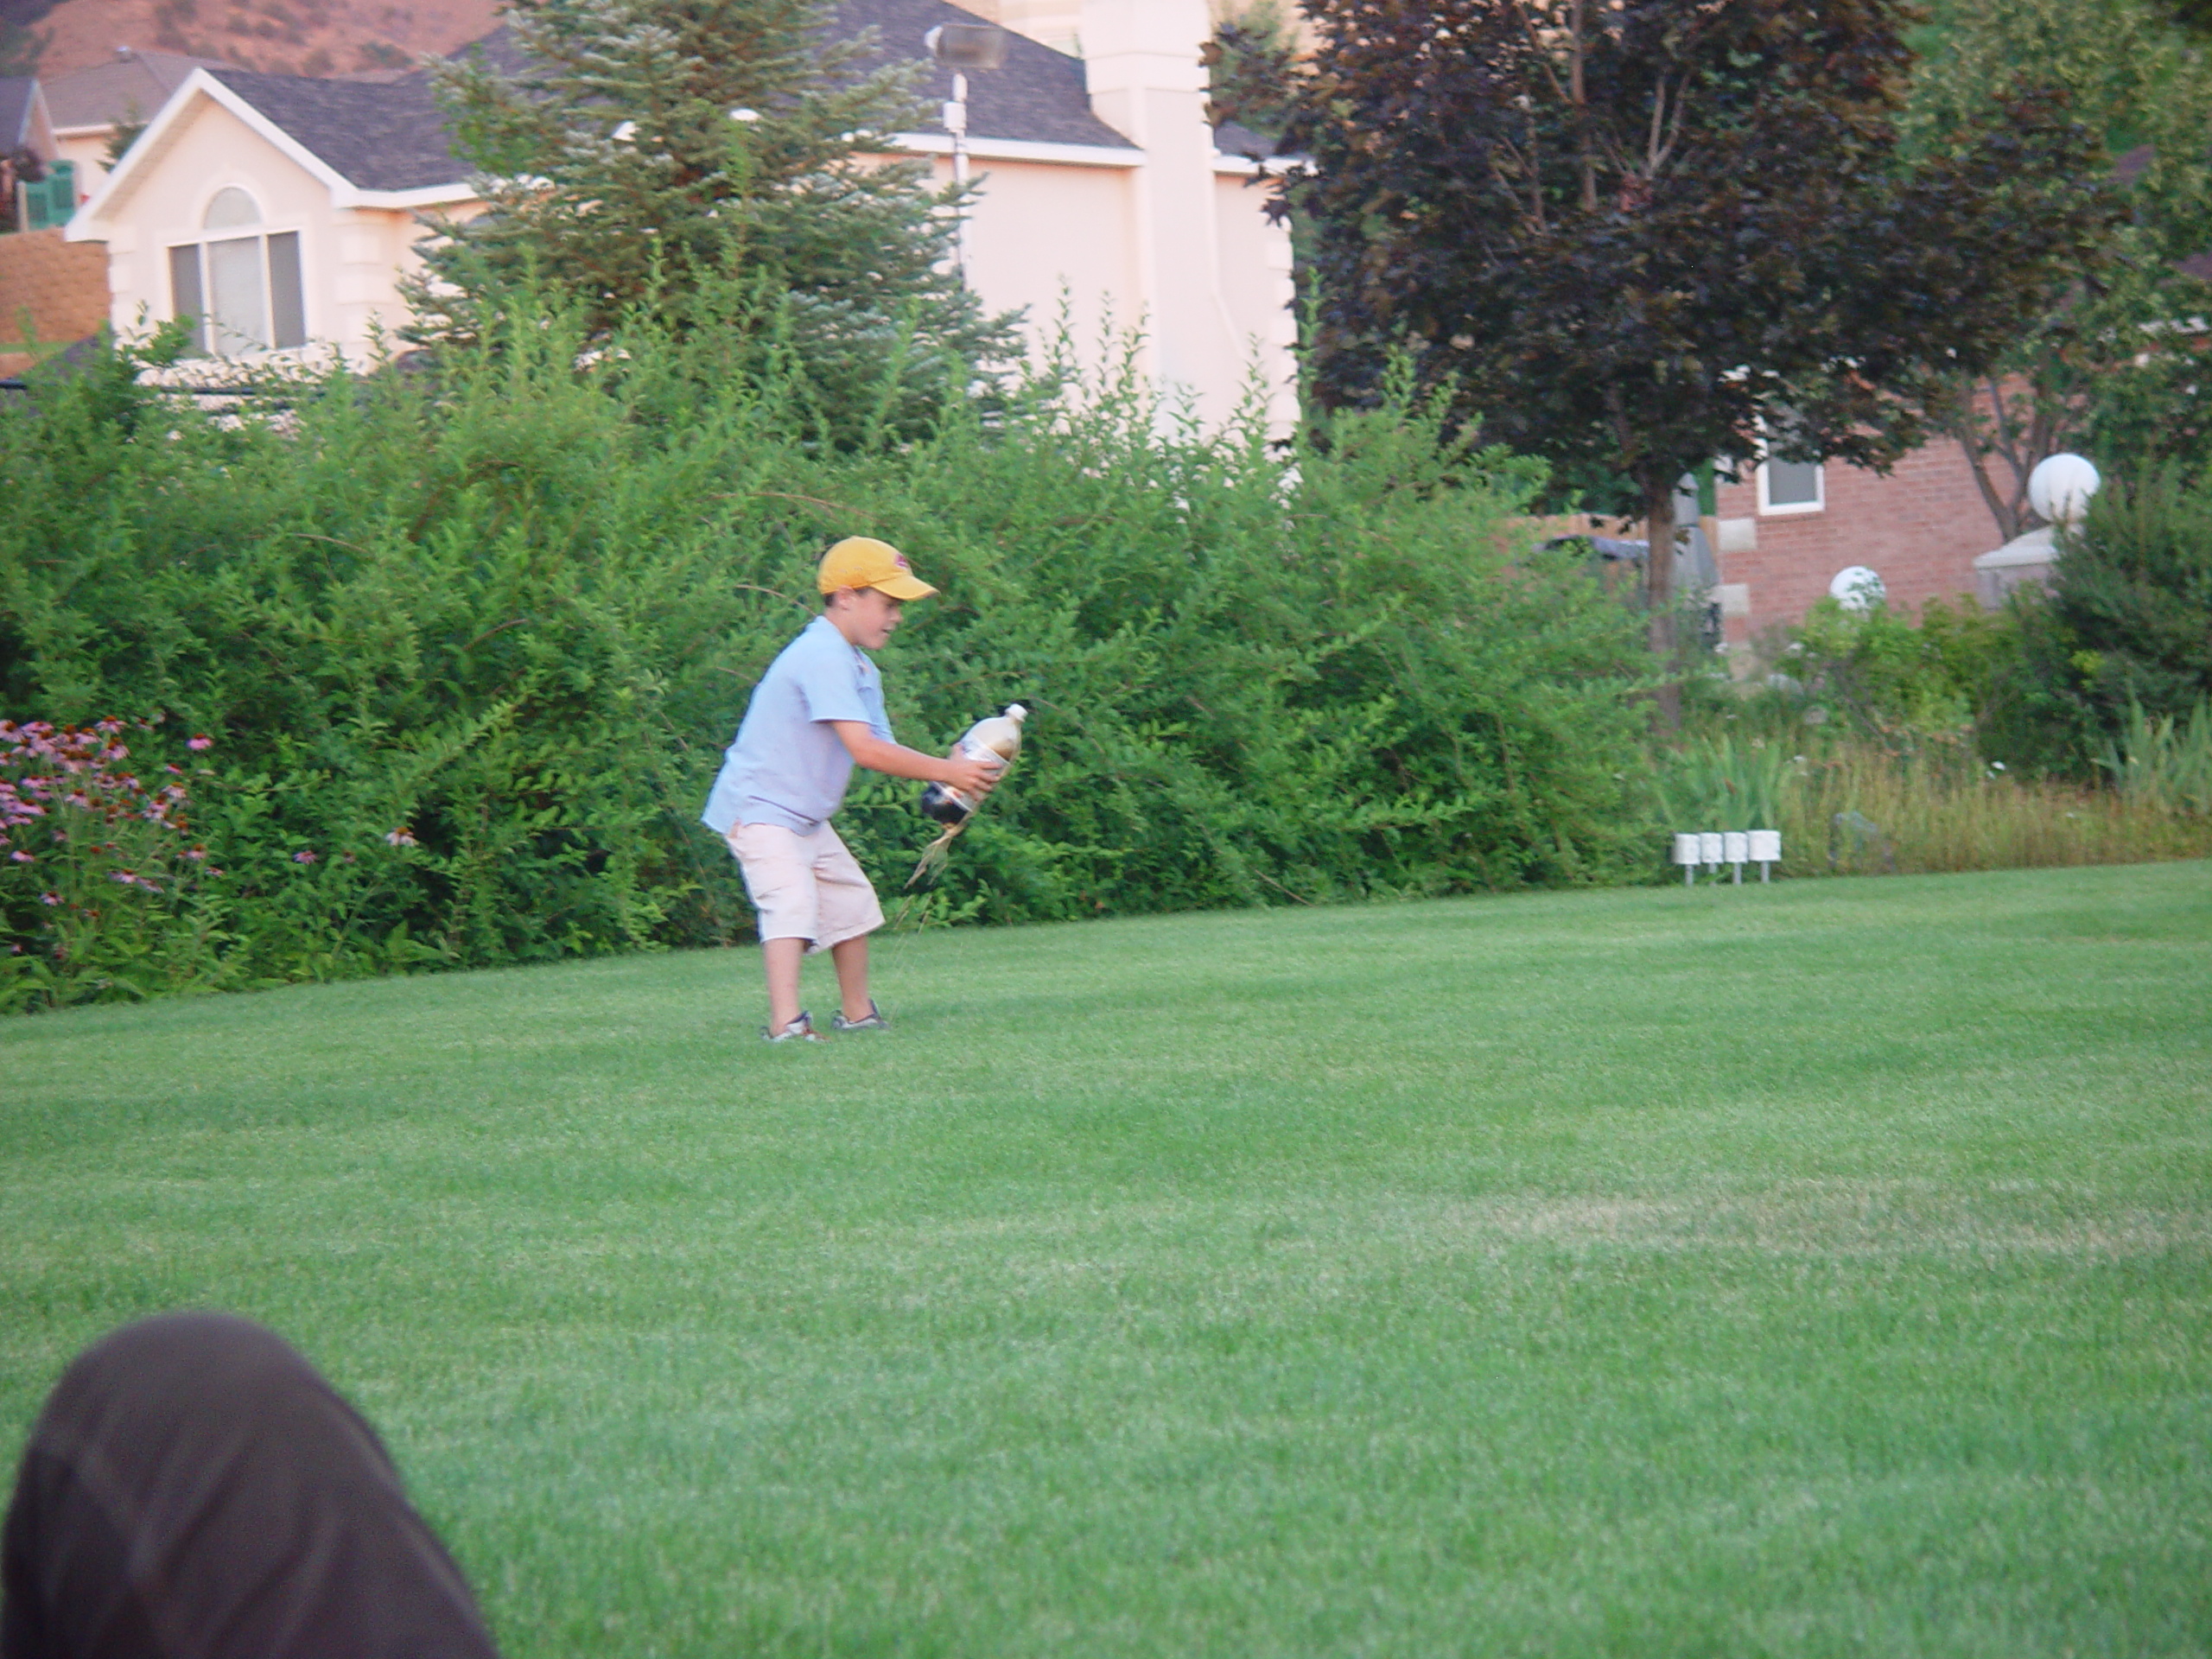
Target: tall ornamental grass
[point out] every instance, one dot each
(2162, 762)
(1850, 806)
(467, 644)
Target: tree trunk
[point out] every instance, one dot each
(1659, 596)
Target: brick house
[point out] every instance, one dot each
(1784, 533)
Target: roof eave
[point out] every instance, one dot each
(1022, 149)
(1276, 165)
(425, 196)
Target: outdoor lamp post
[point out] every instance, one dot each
(960, 47)
(2059, 488)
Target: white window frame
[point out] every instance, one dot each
(203, 343)
(1767, 509)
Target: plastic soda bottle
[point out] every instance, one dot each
(998, 738)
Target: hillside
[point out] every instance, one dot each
(307, 37)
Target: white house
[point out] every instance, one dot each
(285, 210)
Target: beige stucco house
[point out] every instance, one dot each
(285, 210)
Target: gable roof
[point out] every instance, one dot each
(130, 87)
(18, 98)
(370, 144)
(387, 135)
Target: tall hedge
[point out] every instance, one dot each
(466, 645)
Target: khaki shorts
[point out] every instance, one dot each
(804, 887)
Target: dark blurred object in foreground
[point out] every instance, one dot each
(195, 1490)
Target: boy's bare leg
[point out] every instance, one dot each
(851, 958)
(781, 957)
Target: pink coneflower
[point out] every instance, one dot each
(23, 857)
(199, 740)
(402, 836)
(49, 898)
(303, 857)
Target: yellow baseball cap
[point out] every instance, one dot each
(863, 561)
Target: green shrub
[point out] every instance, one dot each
(2161, 763)
(472, 641)
(1886, 675)
(2131, 597)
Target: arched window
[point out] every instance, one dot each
(231, 208)
(243, 292)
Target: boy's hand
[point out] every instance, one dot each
(974, 779)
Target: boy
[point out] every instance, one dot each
(817, 712)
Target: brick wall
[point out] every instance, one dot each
(1920, 528)
(60, 286)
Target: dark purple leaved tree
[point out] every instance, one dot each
(1636, 235)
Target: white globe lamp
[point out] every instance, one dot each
(2059, 488)
(1858, 587)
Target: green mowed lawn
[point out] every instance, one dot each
(1824, 1269)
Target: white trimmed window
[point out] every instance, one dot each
(242, 288)
(1790, 487)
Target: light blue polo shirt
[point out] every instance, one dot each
(788, 765)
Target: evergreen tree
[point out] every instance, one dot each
(1635, 235)
(722, 164)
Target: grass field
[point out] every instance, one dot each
(1819, 1270)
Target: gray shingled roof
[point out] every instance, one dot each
(122, 89)
(1037, 95)
(387, 135)
(391, 136)
(15, 94)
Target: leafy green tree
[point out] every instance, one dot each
(1637, 235)
(719, 163)
(2103, 365)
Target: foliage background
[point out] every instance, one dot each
(471, 641)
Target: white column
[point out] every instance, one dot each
(1141, 66)
(1057, 23)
